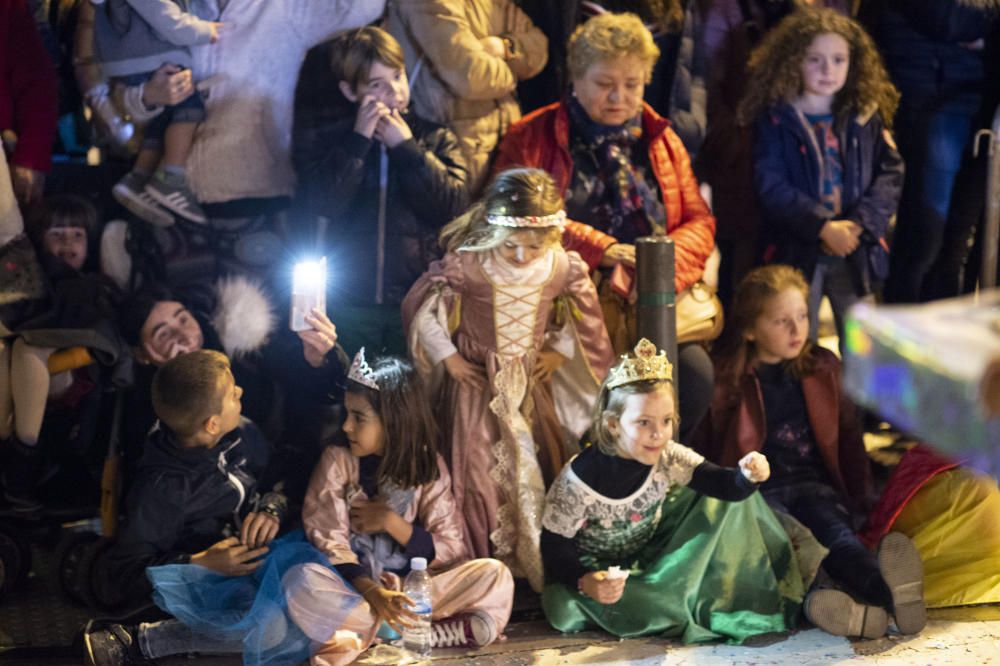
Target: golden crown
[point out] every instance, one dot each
(646, 364)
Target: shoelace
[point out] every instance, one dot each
(448, 634)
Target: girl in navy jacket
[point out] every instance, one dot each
(826, 170)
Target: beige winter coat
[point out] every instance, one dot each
(454, 80)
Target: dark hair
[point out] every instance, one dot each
(132, 317)
(187, 390)
(411, 434)
(733, 352)
(521, 192)
(776, 67)
(65, 210)
(353, 53)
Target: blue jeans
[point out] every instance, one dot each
(849, 563)
(933, 142)
(161, 639)
(833, 279)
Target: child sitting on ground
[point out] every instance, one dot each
(634, 540)
(200, 496)
(132, 39)
(376, 504)
(80, 312)
(777, 393)
(387, 180)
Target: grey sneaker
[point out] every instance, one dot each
(172, 193)
(115, 646)
(475, 629)
(130, 192)
(836, 613)
(901, 568)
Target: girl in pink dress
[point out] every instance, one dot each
(371, 507)
(509, 328)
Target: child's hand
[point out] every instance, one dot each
(392, 130)
(840, 236)
(214, 29)
(318, 340)
(464, 372)
(755, 467)
(494, 46)
(602, 589)
(547, 363)
(370, 516)
(28, 183)
(258, 529)
(229, 557)
(370, 111)
(390, 607)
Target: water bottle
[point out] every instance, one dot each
(417, 639)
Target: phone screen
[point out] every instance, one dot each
(308, 292)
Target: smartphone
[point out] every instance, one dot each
(308, 292)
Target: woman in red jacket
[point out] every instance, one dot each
(625, 174)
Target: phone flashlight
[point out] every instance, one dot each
(308, 292)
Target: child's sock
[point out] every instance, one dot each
(175, 176)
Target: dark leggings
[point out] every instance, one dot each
(849, 562)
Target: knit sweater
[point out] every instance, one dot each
(242, 148)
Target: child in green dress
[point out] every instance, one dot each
(642, 536)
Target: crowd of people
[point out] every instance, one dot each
(474, 392)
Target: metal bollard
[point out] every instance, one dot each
(656, 314)
(991, 223)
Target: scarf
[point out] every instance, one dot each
(618, 199)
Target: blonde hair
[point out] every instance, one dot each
(518, 192)
(734, 352)
(609, 37)
(776, 67)
(611, 403)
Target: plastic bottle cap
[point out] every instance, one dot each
(418, 564)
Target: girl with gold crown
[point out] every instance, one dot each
(509, 326)
(642, 536)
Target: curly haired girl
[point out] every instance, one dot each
(826, 170)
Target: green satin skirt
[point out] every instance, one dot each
(712, 570)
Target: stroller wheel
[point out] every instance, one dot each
(69, 560)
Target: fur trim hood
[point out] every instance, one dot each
(243, 317)
(985, 5)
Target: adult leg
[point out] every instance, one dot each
(29, 372)
(6, 398)
(932, 142)
(696, 379)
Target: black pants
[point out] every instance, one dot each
(849, 563)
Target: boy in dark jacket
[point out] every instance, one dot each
(387, 181)
(199, 495)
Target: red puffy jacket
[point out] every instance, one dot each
(541, 139)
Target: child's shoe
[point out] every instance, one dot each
(117, 645)
(171, 191)
(836, 613)
(475, 629)
(22, 468)
(903, 572)
(130, 192)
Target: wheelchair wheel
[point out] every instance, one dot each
(15, 558)
(69, 560)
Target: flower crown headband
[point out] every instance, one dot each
(361, 372)
(645, 365)
(557, 219)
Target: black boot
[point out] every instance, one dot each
(21, 471)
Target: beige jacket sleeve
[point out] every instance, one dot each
(450, 35)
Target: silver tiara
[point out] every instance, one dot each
(556, 219)
(361, 372)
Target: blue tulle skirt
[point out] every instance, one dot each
(251, 609)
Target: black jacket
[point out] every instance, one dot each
(339, 175)
(184, 500)
(787, 178)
